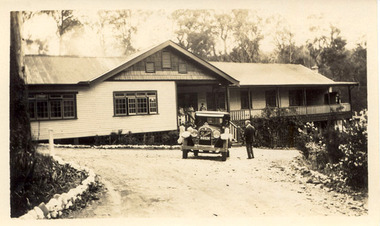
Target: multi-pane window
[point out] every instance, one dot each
(135, 103)
(51, 106)
(142, 103)
(152, 102)
(271, 98)
(120, 104)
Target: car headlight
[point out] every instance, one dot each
(185, 134)
(194, 133)
(216, 134)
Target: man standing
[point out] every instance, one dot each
(248, 135)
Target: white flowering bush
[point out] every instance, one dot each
(352, 168)
(343, 155)
(309, 140)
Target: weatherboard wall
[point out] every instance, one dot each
(95, 112)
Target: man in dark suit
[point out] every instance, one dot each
(248, 135)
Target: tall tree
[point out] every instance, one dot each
(358, 63)
(196, 32)
(123, 26)
(22, 151)
(283, 38)
(66, 21)
(333, 56)
(247, 33)
(224, 28)
(329, 53)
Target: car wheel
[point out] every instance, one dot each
(228, 153)
(224, 156)
(184, 154)
(196, 152)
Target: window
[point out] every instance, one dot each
(149, 67)
(244, 100)
(166, 61)
(135, 103)
(182, 68)
(270, 98)
(295, 97)
(52, 106)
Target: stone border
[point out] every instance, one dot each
(119, 146)
(59, 202)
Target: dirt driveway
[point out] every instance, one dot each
(159, 183)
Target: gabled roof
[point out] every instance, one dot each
(90, 70)
(256, 74)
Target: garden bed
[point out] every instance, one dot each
(62, 186)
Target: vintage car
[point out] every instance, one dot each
(209, 134)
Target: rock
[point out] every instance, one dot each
(54, 214)
(44, 209)
(39, 213)
(56, 196)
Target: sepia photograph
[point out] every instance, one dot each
(203, 112)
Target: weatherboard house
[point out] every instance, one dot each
(142, 93)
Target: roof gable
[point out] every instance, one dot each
(191, 70)
(137, 57)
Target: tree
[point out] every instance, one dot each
(123, 28)
(22, 152)
(286, 49)
(334, 55)
(196, 32)
(224, 28)
(358, 73)
(247, 33)
(65, 20)
(329, 54)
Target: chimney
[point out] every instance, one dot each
(315, 68)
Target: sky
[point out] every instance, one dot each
(350, 16)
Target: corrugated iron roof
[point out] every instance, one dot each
(273, 74)
(41, 69)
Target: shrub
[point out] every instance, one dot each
(170, 138)
(343, 155)
(308, 134)
(49, 178)
(275, 128)
(352, 168)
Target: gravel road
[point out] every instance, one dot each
(159, 183)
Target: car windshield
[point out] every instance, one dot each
(200, 121)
